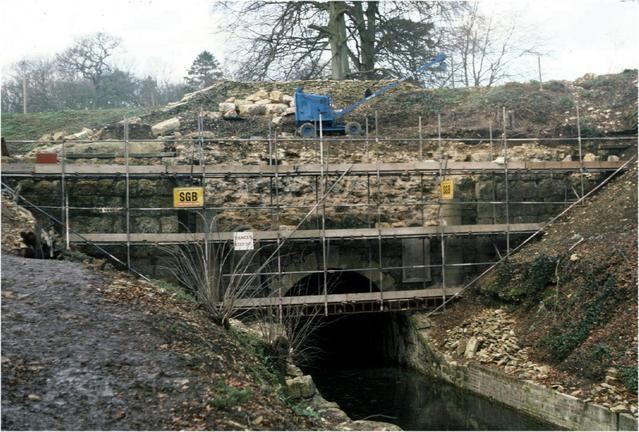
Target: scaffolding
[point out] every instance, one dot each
(275, 171)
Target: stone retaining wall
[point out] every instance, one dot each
(546, 404)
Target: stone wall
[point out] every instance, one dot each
(546, 404)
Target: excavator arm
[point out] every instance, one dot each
(439, 59)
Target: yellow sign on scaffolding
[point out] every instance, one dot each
(447, 188)
(184, 197)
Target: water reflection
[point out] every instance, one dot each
(415, 402)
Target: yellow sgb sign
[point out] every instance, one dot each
(447, 189)
(188, 197)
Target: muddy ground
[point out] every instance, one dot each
(89, 350)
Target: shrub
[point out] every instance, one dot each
(229, 396)
(629, 378)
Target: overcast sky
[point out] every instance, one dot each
(162, 37)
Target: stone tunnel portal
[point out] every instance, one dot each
(356, 340)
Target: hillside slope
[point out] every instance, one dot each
(608, 107)
(570, 300)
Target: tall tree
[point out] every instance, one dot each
(87, 58)
(483, 51)
(278, 37)
(204, 71)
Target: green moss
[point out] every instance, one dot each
(629, 378)
(228, 396)
(561, 341)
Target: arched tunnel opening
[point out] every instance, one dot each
(357, 340)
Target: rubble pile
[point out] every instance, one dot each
(274, 104)
(15, 219)
(489, 338)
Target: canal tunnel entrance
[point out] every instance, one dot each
(354, 340)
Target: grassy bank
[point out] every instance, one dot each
(18, 126)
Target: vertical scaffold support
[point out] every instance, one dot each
(581, 158)
(379, 238)
(127, 197)
(270, 179)
(277, 182)
(280, 308)
(323, 227)
(505, 139)
(64, 198)
(442, 239)
(421, 142)
(492, 158)
(366, 145)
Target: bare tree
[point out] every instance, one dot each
(483, 51)
(88, 59)
(277, 39)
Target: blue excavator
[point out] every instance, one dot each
(310, 108)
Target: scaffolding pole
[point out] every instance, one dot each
(323, 227)
(581, 159)
(379, 238)
(505, 139)
(421, 141)
(127, 197)
(492, 158)
(442, 240)
(63, 197)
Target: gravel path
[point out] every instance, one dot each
(73, 360)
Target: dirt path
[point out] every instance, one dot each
(74, 358)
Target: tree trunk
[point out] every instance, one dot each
(336, 29)
(366, 27)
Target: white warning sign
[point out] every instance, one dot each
(243, 241)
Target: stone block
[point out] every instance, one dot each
(227, 106)
(169, 224)
(105, 187)
(300, 387)
(275, 108)
(145, 225)
(472, 347)
(165, 126)
(146, 187)
(83, 187)
(46, 187)
(256, 109)
(276, 96)
(288, 100)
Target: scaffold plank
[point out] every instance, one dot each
(344, 298)
(347, 234)
(22, 169)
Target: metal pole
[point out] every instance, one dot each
(127, 198)
(66, 221)
(442, 240)
(63, 196)
(505, 137)
(322, 184)
(368, 220)
(366, 144)
(270, 180)
(277, 181)
(492, 158)
(421, 143)
(581, 159)
(439, 139)
(279, 271)
(379, 237)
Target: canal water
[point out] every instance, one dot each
(413, 401)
